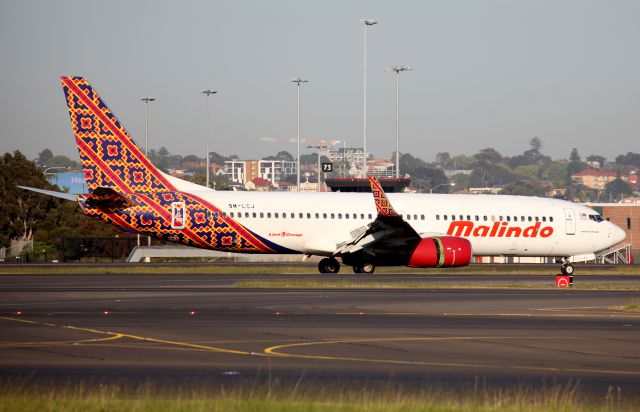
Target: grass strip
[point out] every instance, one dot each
(308, 283)
(267, 398)
(294, 269)
(634, 306)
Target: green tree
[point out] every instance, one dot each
(463, 162)
(20, 210)
(61, 161)
(527, 172)
(630, 159)
(617, 188)
(281, 155)
(575, 163)
(443, 159)
(536, 144)
(524, 188)
(489, 175)
(409, 164)
(44, 156)
(556, 173)
(30, 215)
(596, 158)
(489, 155)
(426, 178)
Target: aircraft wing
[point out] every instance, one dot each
(389, 231)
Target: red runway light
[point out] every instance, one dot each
(18, 312)
(277, 313)
(192, 313)
(105, 312)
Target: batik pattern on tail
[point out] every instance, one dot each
(111, 159)
(109, 156)
(383, 206)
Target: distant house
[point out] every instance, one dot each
(258, 184)
(284, 186)
(485, 190)
(597, 179)
(454, 172)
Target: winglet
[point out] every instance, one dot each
(383, 206)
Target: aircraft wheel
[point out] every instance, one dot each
(368, 267)
(329, 265)
(567, 269)
(357, 269)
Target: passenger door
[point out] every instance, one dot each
(570, 221)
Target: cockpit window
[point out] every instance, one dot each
(596, 218)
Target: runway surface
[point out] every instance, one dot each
(187, 329)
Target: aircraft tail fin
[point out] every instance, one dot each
(110, 158)
(383, 206)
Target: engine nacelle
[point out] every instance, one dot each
(444, 251)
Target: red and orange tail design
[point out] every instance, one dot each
(110, 158)
(383, 206)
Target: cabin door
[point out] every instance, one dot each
(570, 221)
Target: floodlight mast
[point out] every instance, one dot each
(367, 23)
(299, 81)
(208, 92)
(397, 70)
(146, 101)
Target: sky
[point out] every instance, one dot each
(491, 73)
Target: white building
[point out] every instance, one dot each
(353, 155)
(276, 170)
(243, 171)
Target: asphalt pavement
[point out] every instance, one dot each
(194, 328)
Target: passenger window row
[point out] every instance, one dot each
(291, 215)
(369, 216)
(494, 218)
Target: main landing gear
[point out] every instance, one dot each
(329, 265)
(364, 267)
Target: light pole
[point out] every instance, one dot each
(367, 23)
(298, 80)
(146, 101)
(319, 146)
(398, 69)
(441, 184)
(208, 93)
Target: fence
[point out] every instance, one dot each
(79, 249)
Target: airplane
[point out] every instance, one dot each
(363, 230)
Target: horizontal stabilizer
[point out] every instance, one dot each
(108, 199)
(61, 195)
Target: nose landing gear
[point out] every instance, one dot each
(567, 268)
(565, 280)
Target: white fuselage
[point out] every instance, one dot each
(316, 223)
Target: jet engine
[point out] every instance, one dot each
(444, 251)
